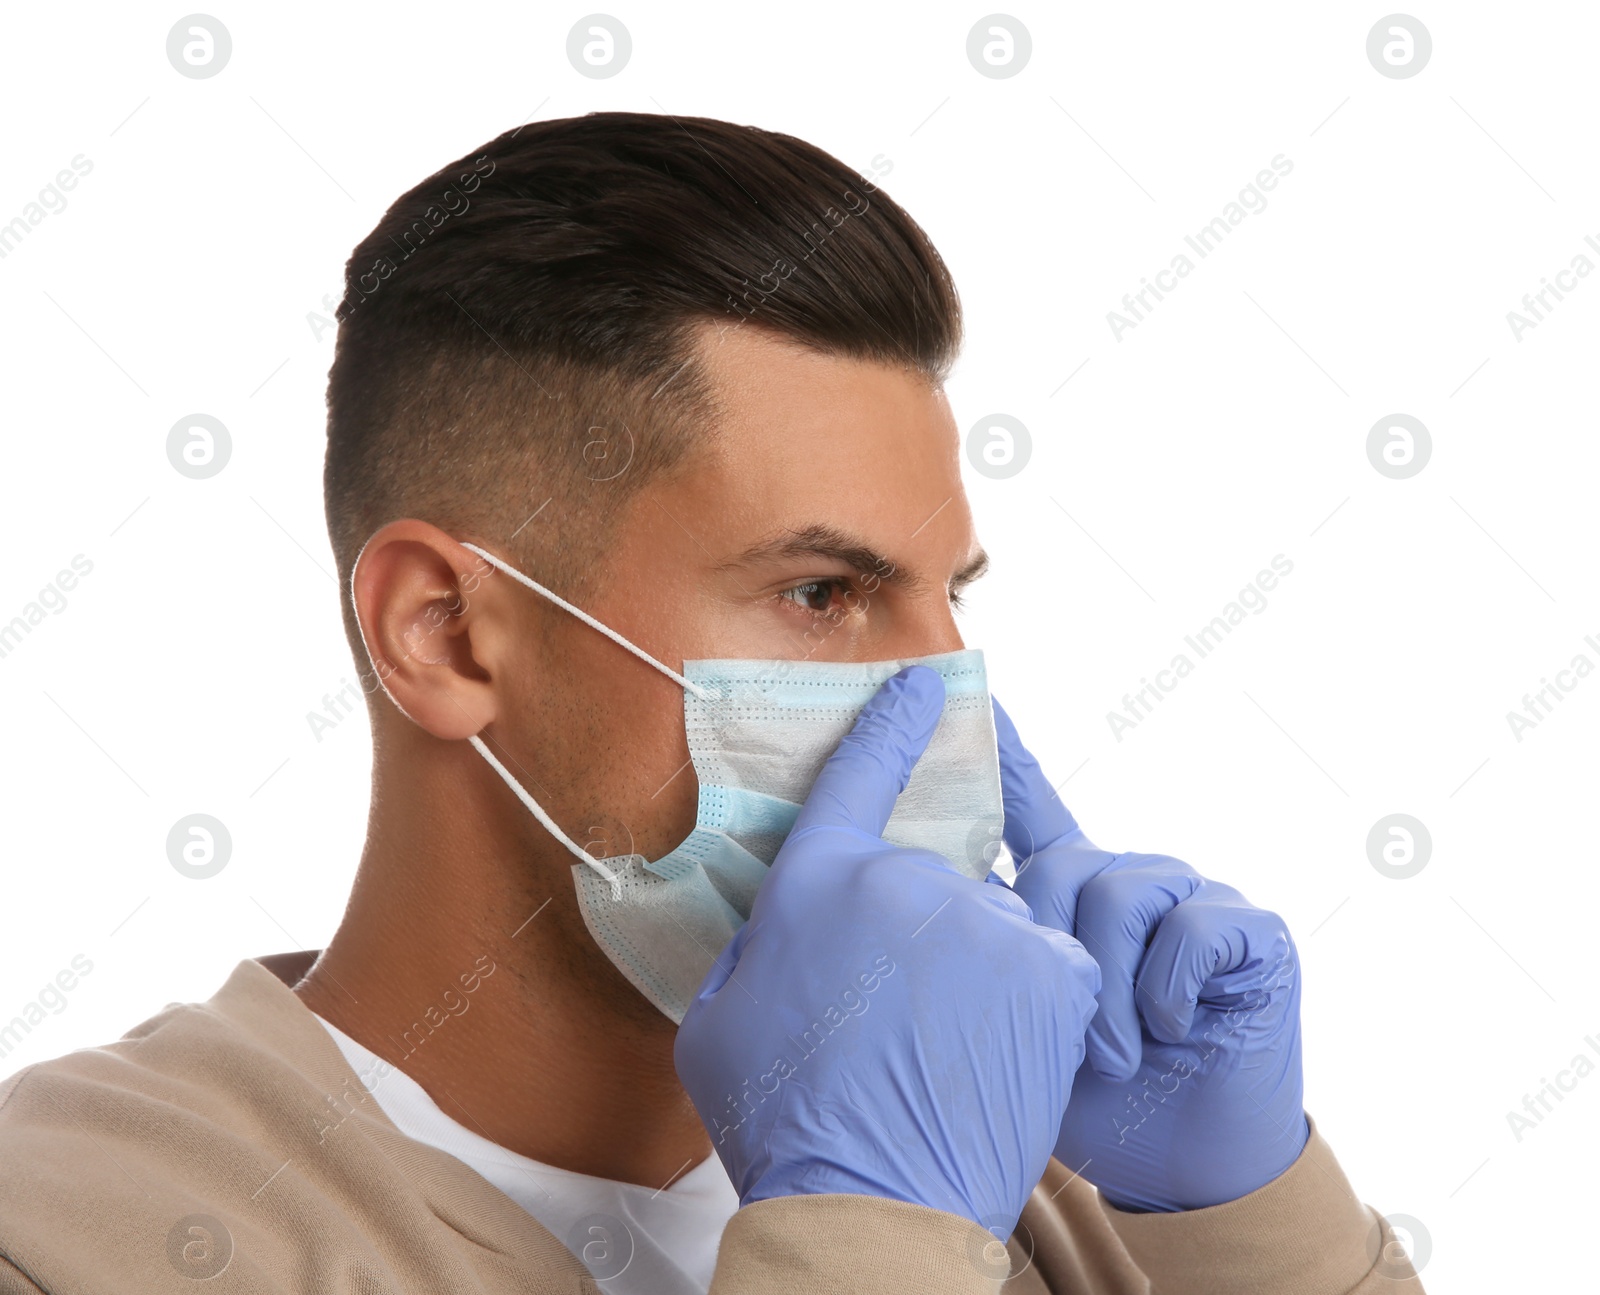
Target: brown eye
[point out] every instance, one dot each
(814, 595)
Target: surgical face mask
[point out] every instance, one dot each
(759, 733)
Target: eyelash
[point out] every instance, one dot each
(843, 584)
(840, 584)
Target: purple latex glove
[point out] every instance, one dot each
(883, 1025)
(1192, 1092)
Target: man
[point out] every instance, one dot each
(641, 481)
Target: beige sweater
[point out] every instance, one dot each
(192, 1146)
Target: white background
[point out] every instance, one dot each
(1227, 427)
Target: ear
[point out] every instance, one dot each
(439, 632)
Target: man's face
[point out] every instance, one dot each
(824, 520)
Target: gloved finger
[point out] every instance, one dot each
(1081, 961)
(726, 964)
(1118, 915)
(1055, 860)
(1007, 898)
(870, 767)
(1036, 818)
(1200, 946)
(1188, 947)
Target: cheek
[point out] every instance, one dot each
(629, 763)
(662, 792)
(671, 814)
(622, 745)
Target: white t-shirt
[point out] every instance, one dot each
(667, 1240)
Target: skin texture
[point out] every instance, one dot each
(556, 1056)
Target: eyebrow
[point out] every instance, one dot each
(822, 541)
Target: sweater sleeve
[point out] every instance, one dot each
(1303, 1232)
(837, 1244)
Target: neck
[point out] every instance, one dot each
(465, 962)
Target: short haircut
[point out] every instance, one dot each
(519, 327)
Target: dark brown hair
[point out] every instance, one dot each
(518, 327)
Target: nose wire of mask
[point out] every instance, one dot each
(537, 810)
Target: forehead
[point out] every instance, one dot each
(804, 438)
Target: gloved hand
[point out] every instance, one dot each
(1192, 1092)
(883, 1025)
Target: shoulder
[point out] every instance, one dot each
(161, 1151)
(232, 1134)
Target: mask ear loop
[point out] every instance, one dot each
(537, 810)
(534, 808)
(704, 694)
